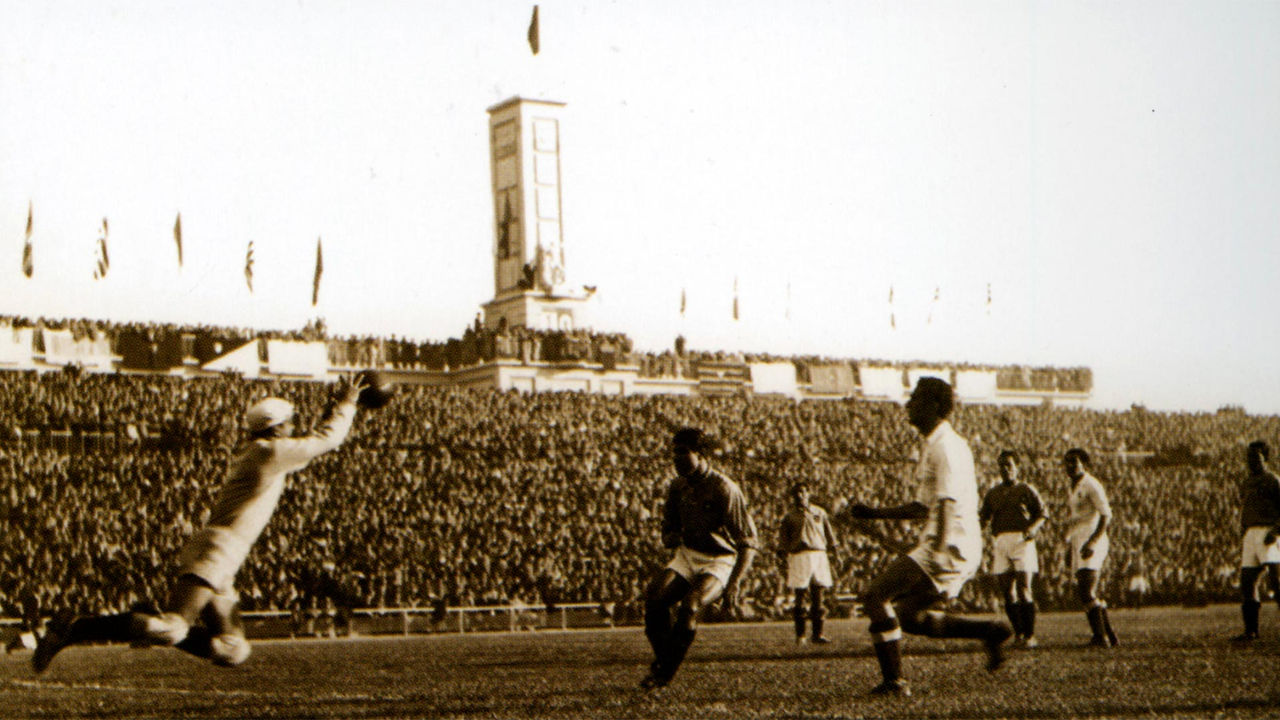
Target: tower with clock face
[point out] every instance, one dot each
(530, 283)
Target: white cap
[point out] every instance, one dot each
(268, 413)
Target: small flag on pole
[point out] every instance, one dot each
(893, 321)
(248, 267)
(177, 237)
(104, 262)
(28, 267)
(315, 284)
(988, 298)
(533, 31)
(735, 297)
(937, 291)
(683, 302)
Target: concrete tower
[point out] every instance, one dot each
(530, 282)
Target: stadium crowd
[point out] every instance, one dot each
(482, 497)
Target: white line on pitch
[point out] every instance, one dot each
(45, 685)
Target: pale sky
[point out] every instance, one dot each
(1111, 169)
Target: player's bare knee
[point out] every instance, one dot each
(164, 629)
(229, 650)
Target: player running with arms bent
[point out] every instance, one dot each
(906, 595)
(202, 616)
(707, 523)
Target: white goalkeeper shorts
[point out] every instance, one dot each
(214, 555)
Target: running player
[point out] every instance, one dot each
(202, 614)
(1016, 514)
(1088, 543)
(803, 540)
(707, 523)
(908, 593)
(1260, 518)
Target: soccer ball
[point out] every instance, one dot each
(377, 392)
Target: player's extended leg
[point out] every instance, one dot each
(167, 628)
(920, 616)
(900, 577)
(665, 590)
(798, 614)
(1024, 582)
(706, 590)
(1094, 609)
(817, 613)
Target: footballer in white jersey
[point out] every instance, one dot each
(908, 593)
(1090, 514)
(201, 616)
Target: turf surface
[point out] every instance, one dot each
(1173, 662)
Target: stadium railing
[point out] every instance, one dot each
(422, 620)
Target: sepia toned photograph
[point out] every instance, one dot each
(593, 360)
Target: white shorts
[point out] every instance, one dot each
(1255, 551)
(689, 564)
(950, 569)
(214, 555)
(1014, 553)
(808, 567)
(1100, 549)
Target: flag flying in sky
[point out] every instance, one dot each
(683, 302)
(893, 321)
(315, 284)
(735, 297)
(177, 237)
(104, 262)
(533, 31)
(28, 267)
(248, 267)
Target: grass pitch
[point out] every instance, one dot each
(1173, 662)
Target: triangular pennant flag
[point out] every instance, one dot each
(315, 283)
(177, 237)
(533, 31)
(248, 267)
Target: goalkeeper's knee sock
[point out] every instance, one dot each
(121, 627)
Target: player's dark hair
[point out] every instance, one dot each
(693, 439)
(1259, 449)
(798, 485)
(1008, 454)
(1079, 454)
(937, 391)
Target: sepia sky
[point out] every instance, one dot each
(1110, 169)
